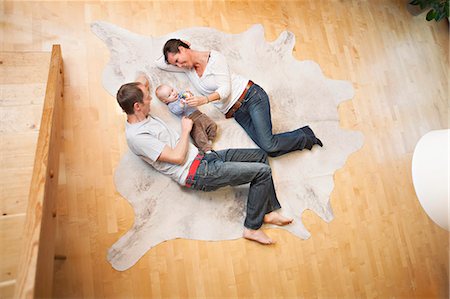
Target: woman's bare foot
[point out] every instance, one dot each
(258, 236)
(277, 219)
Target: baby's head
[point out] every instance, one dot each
(166, 93)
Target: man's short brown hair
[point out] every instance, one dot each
(129, 94)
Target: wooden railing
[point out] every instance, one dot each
(35, 272)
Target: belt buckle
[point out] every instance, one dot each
(238, 103)
(249, 84)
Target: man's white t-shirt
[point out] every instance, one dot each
(216, 78)
(147, 140)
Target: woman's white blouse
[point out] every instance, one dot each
(216, 78)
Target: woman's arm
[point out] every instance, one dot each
(222, 78)
(161, 64)
(202, 100)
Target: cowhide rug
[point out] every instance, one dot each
(300, 95)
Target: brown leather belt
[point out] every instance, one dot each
(238, 103)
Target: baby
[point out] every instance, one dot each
(204, 129)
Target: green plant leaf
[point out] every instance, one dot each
(431, 15)
(424, 4)
(439, 9)
(446, 8)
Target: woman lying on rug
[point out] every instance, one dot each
(234, 95)
(173, 155)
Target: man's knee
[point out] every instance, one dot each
(265, 170)
(273, 154)
(262, 155)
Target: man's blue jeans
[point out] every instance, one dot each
(254, 116)
(235, 167)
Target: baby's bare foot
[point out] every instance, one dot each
(258, 236)
(277, 219)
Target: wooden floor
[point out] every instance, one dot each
(380, 244)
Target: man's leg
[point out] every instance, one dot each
(243, 155)
(240, 166)
(253, 155)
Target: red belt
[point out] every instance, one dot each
(238, 103)
(193, 170)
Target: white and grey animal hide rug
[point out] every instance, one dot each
(299, 95)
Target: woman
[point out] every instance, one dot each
(234, 95)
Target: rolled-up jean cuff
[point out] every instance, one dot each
(277, 207)
(253, 227)
(256, 226)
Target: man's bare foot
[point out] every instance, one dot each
(277, 219)
(258, 236)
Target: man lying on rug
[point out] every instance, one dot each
(173, 155)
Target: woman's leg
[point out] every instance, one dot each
(254, 116)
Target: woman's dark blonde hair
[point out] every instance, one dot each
(171, 46)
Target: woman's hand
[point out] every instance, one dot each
(196, 101)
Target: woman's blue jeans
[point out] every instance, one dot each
(235, 167)
(254, 116)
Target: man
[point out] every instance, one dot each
(173, 155)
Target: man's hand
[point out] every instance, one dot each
(186, 124)
(142, 78)
(177, 155)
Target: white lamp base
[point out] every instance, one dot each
(430, 165)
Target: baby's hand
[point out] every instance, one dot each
(185, 94)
